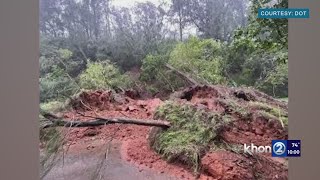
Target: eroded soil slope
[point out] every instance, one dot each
(255, 118)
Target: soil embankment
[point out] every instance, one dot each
(254, 120)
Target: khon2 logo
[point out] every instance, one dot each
(279, 148)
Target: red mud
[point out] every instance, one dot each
(139, 152)
(135, 148)
(224, 165)
(259, 132)
(227, 165)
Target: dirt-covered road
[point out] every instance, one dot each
(131, 156)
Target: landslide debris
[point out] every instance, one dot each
(205, 118)
(209, 125)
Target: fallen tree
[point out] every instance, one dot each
(182, 75)
(191, 128)
(55, 121)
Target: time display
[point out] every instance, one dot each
(296, 152)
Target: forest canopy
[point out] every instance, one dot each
(207, 75)
(93, 44)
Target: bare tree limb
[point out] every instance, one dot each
(183, 75)
(100, 122)
(83, 54)
(48, 115)
(55, 121)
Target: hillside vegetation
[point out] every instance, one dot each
(253, 53)
(211, 69)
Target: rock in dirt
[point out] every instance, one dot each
(91, 132)
(153, 133)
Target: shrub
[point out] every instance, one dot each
(266, 72)
(202, 59)
(103, 75)
(56, 85)
(258, 53)
(53, 55)
(152, 65)
(276, 82)
(53, 106)
(157, 75)
(190, 133)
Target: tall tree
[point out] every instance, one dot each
(149, 24)
(107, 12)
(179, 14)
(217, 19)
(51, 23)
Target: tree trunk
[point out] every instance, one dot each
(183, 75)
(180, 28)
(54, 121)
(105, 121)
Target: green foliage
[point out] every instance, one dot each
(151, 66)
(233, 105)
(53, 52)
(269, 33)
(285, 99)
(56, 85)
(268, 108)
(191, 132)
(276, 81)
(271, 112)
(51, 139)
(53, 106)
(258, 54)
(166, 47)
(65, 54)
(52, 143)
(49, 56)
(202, 59)
(103, 75)
(238, 51)
(154, 71)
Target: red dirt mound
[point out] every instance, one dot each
(88, 99)
(260, 131)
(248, 128)
(139, 152)
(240, 95)
(225, 165)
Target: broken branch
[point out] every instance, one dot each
(104, 121)
(55, 121)
(182, 75)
